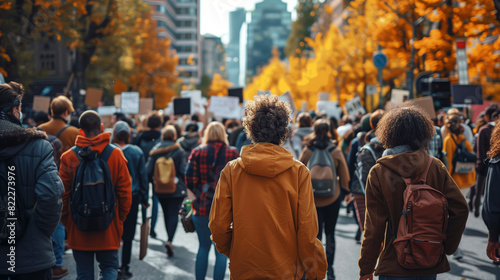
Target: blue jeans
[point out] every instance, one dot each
(430, 277)
(154, 213)
(108, 264)
(58, 243)
(203, 232)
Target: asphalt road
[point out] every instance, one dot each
(156, 265)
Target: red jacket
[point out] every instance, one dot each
(98, 240)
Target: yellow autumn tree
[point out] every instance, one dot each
(219, 86)
(155, 64)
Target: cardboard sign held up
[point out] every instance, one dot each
(324, 96)
(41, 103)
(196, 100)
(225, 107)
(145, 106)
(118, 102)
(426, 104)
(182, 106)
(354, 107)
(237, 92)
(93, 97)
(130, 102)
(399, 96)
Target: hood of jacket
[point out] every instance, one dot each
(164, 148)
(97, 143)
(189, 140)
(13, 138)
(150, 135)
(265, 159)
(410, 164)
(303, 131)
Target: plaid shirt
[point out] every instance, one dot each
(436, 146)
(198, 172)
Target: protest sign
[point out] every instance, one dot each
(399, 96)
(225, 107)
(426, 104)
(353, 107)
(130, 102)
(237, 92)
(303, 108)
(182, 106)
(106, 110)
(145, 105)
(371, 89)
(41, 103)
(196, 100)
(467, 94)
(330, 108)
(93, 97)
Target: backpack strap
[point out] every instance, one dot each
(423, 177)
(370, 149)
(61, 131)
(106, 153)
(76, 150)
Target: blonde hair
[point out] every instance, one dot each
(169, 133)
(215, 131)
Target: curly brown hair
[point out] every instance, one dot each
(405, 126)
(267, 119)
(494, 142)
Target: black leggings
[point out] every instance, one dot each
(327, 219)
(171, 208)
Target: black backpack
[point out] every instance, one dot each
(14, 217)
(366, 158)
(92, 194)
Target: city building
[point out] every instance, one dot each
(213, 56)
(236, 20)
(270, 27)
(178, 20)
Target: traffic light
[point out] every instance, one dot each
(439, 89)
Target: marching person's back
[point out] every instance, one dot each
(263, 216)
(392, 220)
(61, 108)
(87, 242)
(30, 174)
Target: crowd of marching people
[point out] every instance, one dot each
(264, 191)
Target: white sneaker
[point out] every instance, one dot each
(458, 255)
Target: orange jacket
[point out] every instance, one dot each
(97, 240)
(462, 180)
(264, 219)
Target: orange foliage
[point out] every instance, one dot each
(219, 86)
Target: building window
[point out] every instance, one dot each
(47, 62)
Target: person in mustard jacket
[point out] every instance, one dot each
(455, 136)
(263, 216)
(101, 244)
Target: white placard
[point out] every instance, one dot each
(330, 108)
(353, 107)
(399, 96)
(106, 110)
(130, 102)
(287, 97)
(196, 100)
(324, 96)
(264, 92)
(225, 107)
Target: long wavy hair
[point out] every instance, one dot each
(495, 142)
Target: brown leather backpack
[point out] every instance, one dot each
(422, 226)
(164, 176)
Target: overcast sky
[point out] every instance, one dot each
(215, 14)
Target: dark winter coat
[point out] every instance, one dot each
(169, 149)
(137, 168)
(39, 184)
(491, 207)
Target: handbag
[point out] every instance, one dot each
(187, 221)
